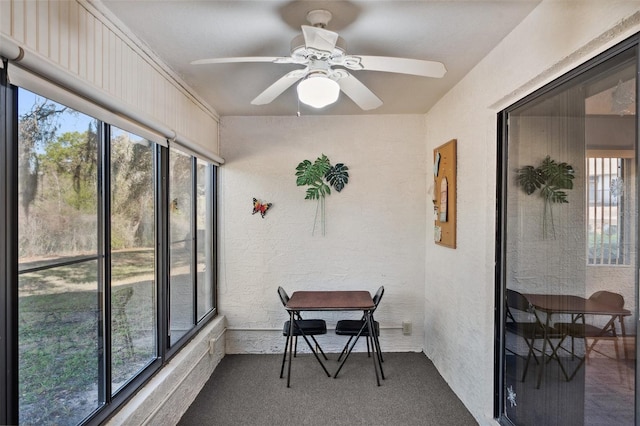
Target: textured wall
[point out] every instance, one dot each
(460, 288)
(374, 228)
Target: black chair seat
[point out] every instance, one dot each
(579, 330)
(352, 327)
(310, 327)
(531, 330)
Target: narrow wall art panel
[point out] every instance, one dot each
(444, 194)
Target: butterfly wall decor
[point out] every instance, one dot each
(261, 208)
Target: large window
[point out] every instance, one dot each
(96, 315)
(568, 241)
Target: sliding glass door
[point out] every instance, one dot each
(568, 258)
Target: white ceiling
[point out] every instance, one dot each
(456, 33)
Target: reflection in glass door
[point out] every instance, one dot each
(570, 249)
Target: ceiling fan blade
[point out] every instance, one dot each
(238, 59)
(277, 88)
(359, 93)
(402, 66)
(319, 38)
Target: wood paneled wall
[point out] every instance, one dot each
(84, 43)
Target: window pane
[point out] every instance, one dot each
(133, 296)
(607, 215)
(59, 344)
(58, 289)
(57, 175)
(181, 280)
(205, 226)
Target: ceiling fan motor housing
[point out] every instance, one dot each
(319, 17)
(299, 48)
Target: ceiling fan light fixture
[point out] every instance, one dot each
(318, 91)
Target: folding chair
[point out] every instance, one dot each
(580, 329)
(518, 306)
(357, 328)
(302, 327)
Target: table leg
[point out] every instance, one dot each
(376, 342)
(350, 349)
(376, 360)
(544, 352)
(304, 336)
(290, 346)
(623, 332)
(586, 349)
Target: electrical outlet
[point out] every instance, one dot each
(406, 328)
(212, 346)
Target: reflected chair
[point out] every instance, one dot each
(121, 324)
(580, 329)
(357, 328)
(307, 328)
(530, 330)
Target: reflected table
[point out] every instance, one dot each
(553, 304)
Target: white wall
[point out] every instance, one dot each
(459, 288)
(374, 228)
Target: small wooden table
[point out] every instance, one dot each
(332, 301)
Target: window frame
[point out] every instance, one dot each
(8, 251)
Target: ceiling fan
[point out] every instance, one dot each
(323, 55)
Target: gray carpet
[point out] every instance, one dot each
(247, 390)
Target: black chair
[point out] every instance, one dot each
(531, 330)
(580, 329)
(302, 327)
(357, 328)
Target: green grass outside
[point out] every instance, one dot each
(59, 316)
